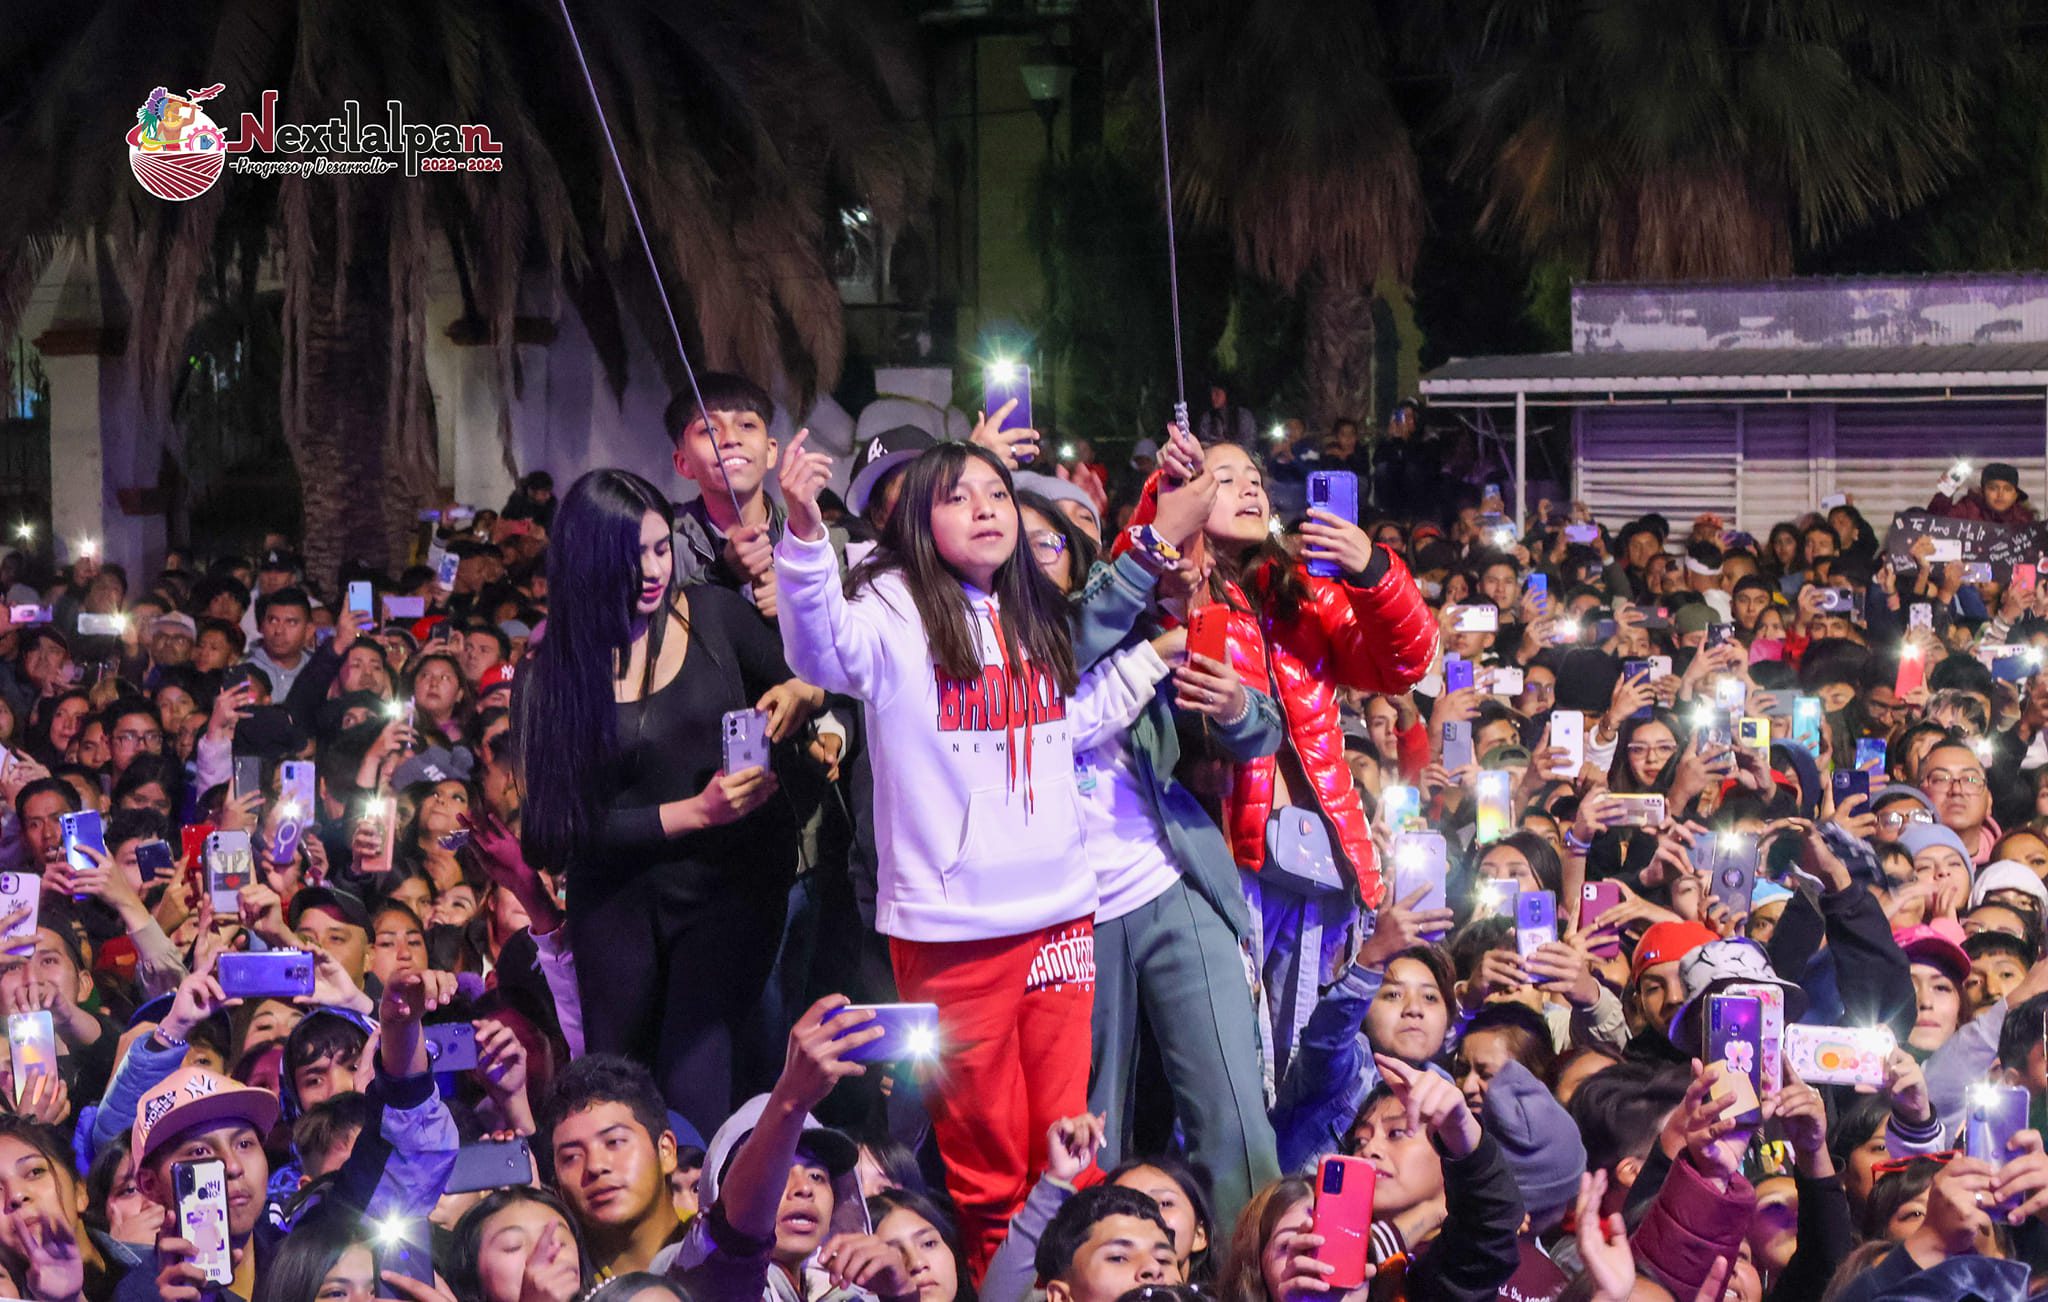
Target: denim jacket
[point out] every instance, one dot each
(1107, 612)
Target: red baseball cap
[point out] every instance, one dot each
(495, 677)
(1667, 942)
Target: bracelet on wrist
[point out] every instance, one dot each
(1244, 707)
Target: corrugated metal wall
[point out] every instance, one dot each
(1762, 463)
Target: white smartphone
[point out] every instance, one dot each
(1946, 549)
(1568, 733)
(1731, 694)
(1475, 619)
(1504, 681)
(201, 1189)
(20, 891)
(32, 1044)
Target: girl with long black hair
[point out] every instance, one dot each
(958, 646)
(678, 879)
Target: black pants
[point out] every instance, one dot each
(672, 974)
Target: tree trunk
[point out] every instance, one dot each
(353, 396)
(1341, 340)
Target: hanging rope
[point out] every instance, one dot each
(1180, 375)
(648, 248)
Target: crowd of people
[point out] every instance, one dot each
(970, 886)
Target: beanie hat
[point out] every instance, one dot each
(2009, 875)
(1917, 837)
(1537, 1137)
(2000, 472)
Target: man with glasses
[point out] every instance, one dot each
(171, 638)
(133, 730)
(1952, 775)
(1896, 808)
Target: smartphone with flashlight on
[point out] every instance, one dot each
(910, 1032)
(405, 1246)
(294, 810)
(1421, 863)
(1001, 382)
(1495, 812)
(1994, 1117)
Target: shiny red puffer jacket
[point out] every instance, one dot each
(1377, 639)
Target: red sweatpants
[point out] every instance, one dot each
(1014, 1018)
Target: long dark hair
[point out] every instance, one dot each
(1270, 577)
(306, 1254)
(563, 704)
(1079, 546)
(904, 1200)
(1621, 778)
(469, 1235)
(1034, 611)
(1194, 1186)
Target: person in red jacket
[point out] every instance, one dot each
(1294, 820)
(1998, 498)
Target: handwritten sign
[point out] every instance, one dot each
(2000, 545)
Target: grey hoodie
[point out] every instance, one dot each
(717, 1264)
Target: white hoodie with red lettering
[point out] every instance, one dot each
(977, 822)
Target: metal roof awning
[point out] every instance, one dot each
(1574, 378)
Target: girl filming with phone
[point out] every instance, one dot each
(958, 646)
(1294, 819)
(677, 878)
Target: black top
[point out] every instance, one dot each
(671, 745)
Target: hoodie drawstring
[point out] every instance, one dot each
(995, 620)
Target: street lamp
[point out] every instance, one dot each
(1047, 76)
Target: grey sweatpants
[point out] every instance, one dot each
(1176, 959)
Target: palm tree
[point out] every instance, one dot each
(743, 124)
(1644, 140)
(1288, 137)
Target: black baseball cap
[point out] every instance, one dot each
(342, 904)
(882, 454)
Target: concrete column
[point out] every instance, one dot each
(77, 460)
(106, 450)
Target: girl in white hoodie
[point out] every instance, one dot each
(958, 647)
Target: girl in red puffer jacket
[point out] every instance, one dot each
(1294, 820)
